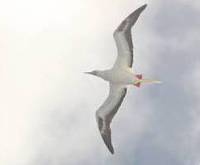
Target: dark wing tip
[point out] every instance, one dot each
(144, 6)
(140, 9)
(130, 20)
(107, 140)
(106, 134)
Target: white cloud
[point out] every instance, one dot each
(45, 47)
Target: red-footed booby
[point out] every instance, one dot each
(119, 76)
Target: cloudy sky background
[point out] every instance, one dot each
(47, 104)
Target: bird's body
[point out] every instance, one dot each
(119, 77)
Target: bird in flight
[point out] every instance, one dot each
(119, 77)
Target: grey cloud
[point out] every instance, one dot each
(168, 139)
(175, 19)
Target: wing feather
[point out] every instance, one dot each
(123, 39)
(106, 112)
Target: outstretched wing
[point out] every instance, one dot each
(123, 39)
(106, 112)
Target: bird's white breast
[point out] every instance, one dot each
(123, 76)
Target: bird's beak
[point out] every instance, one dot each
(88, 72)
(92, 73)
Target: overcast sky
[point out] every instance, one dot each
(47, 104)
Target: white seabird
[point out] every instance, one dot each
(119, 76)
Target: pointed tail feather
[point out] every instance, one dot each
(149, 81)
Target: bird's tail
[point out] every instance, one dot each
(146, 81)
